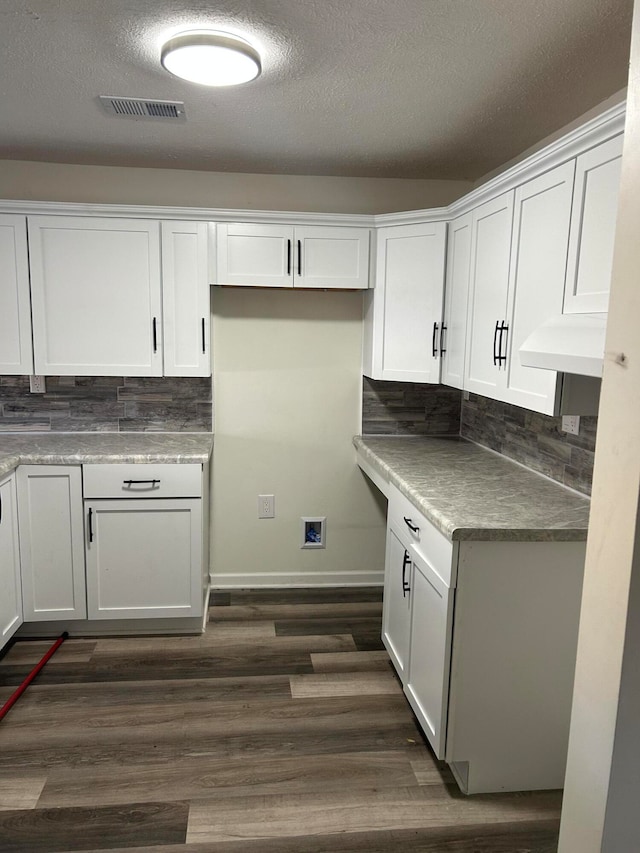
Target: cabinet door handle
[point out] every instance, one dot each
(410, 525)
(406, 562)
(140, 482)
(443, 329)
(434, 346)
(155, 335)
(204, 349)
(299, 257)
(90, 523)
(504, 328)
(495, 343)
(288, 257)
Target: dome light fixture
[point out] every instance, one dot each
(211, 58)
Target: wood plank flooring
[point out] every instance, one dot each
(283, 729)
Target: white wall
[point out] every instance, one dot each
(287, 397)
(34, 181)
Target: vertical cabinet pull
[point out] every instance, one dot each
(288, 257)
(155, 335)
(443, 329)
(203, 337)
(495, 343)
(504, 329)
(406, 562)
(434, 345)
(299, 257)
(90, 524)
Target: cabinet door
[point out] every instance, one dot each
(144, 558)
(328, 257)
(255, 255)
(409, 293)
(51, 542)
(185, 299)
(396, 611)
(10, 592)
(536, 286)
(456, 294)
(489, 281)
(16, 354)
(427, 686)
(96, 296)
(593, 225)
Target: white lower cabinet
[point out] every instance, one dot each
(10, 592)
(484, 642)
(51, 542)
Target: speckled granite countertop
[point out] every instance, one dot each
(84, 448)
(468, 492)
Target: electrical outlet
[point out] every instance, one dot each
(37, 385)
(571, 424)
(266, 506)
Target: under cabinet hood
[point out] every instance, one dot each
(570, 343)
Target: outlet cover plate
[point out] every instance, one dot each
(571, 424)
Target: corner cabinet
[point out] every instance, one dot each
(314, 256)
(456, 294)
(10, 591)
(403, 314)
(16, 355)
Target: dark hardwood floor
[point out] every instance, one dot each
(282, 730)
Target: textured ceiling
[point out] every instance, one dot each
(383, 88)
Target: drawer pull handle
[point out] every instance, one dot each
(406, 562)
(140, 482)
(410, 525)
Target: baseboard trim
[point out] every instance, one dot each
(294, 580)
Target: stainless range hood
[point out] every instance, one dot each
(569, 343)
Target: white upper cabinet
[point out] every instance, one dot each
(403, 320)
(488, 285)
(10, 591)
(314, 256)
(96, 296)
(593, 225)
(538, 265)
(185, 299)
(16, 355)
(456, 294)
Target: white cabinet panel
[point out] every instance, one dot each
(427, 686)
(185, 299)
(96, 295)
(405, 316)
(16, 353)
(144, 558)
(536, 283)
(396, 615)
(286, 256)
(593, 225)
(51, 542)
(10, 591)
(456, 294)
(489, 281)
(331, 257)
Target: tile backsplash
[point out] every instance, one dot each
(106, 404)
(534, 440)
(409, 408)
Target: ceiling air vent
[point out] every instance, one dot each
(143, 108)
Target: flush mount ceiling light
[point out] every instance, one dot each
(211, 58)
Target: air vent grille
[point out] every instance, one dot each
(143, 108)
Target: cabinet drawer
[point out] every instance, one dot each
(143, 480)
(432, 545)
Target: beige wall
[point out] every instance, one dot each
(287, 392)
(602, 789)
(183, 188)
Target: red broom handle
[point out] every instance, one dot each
(18, 693)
